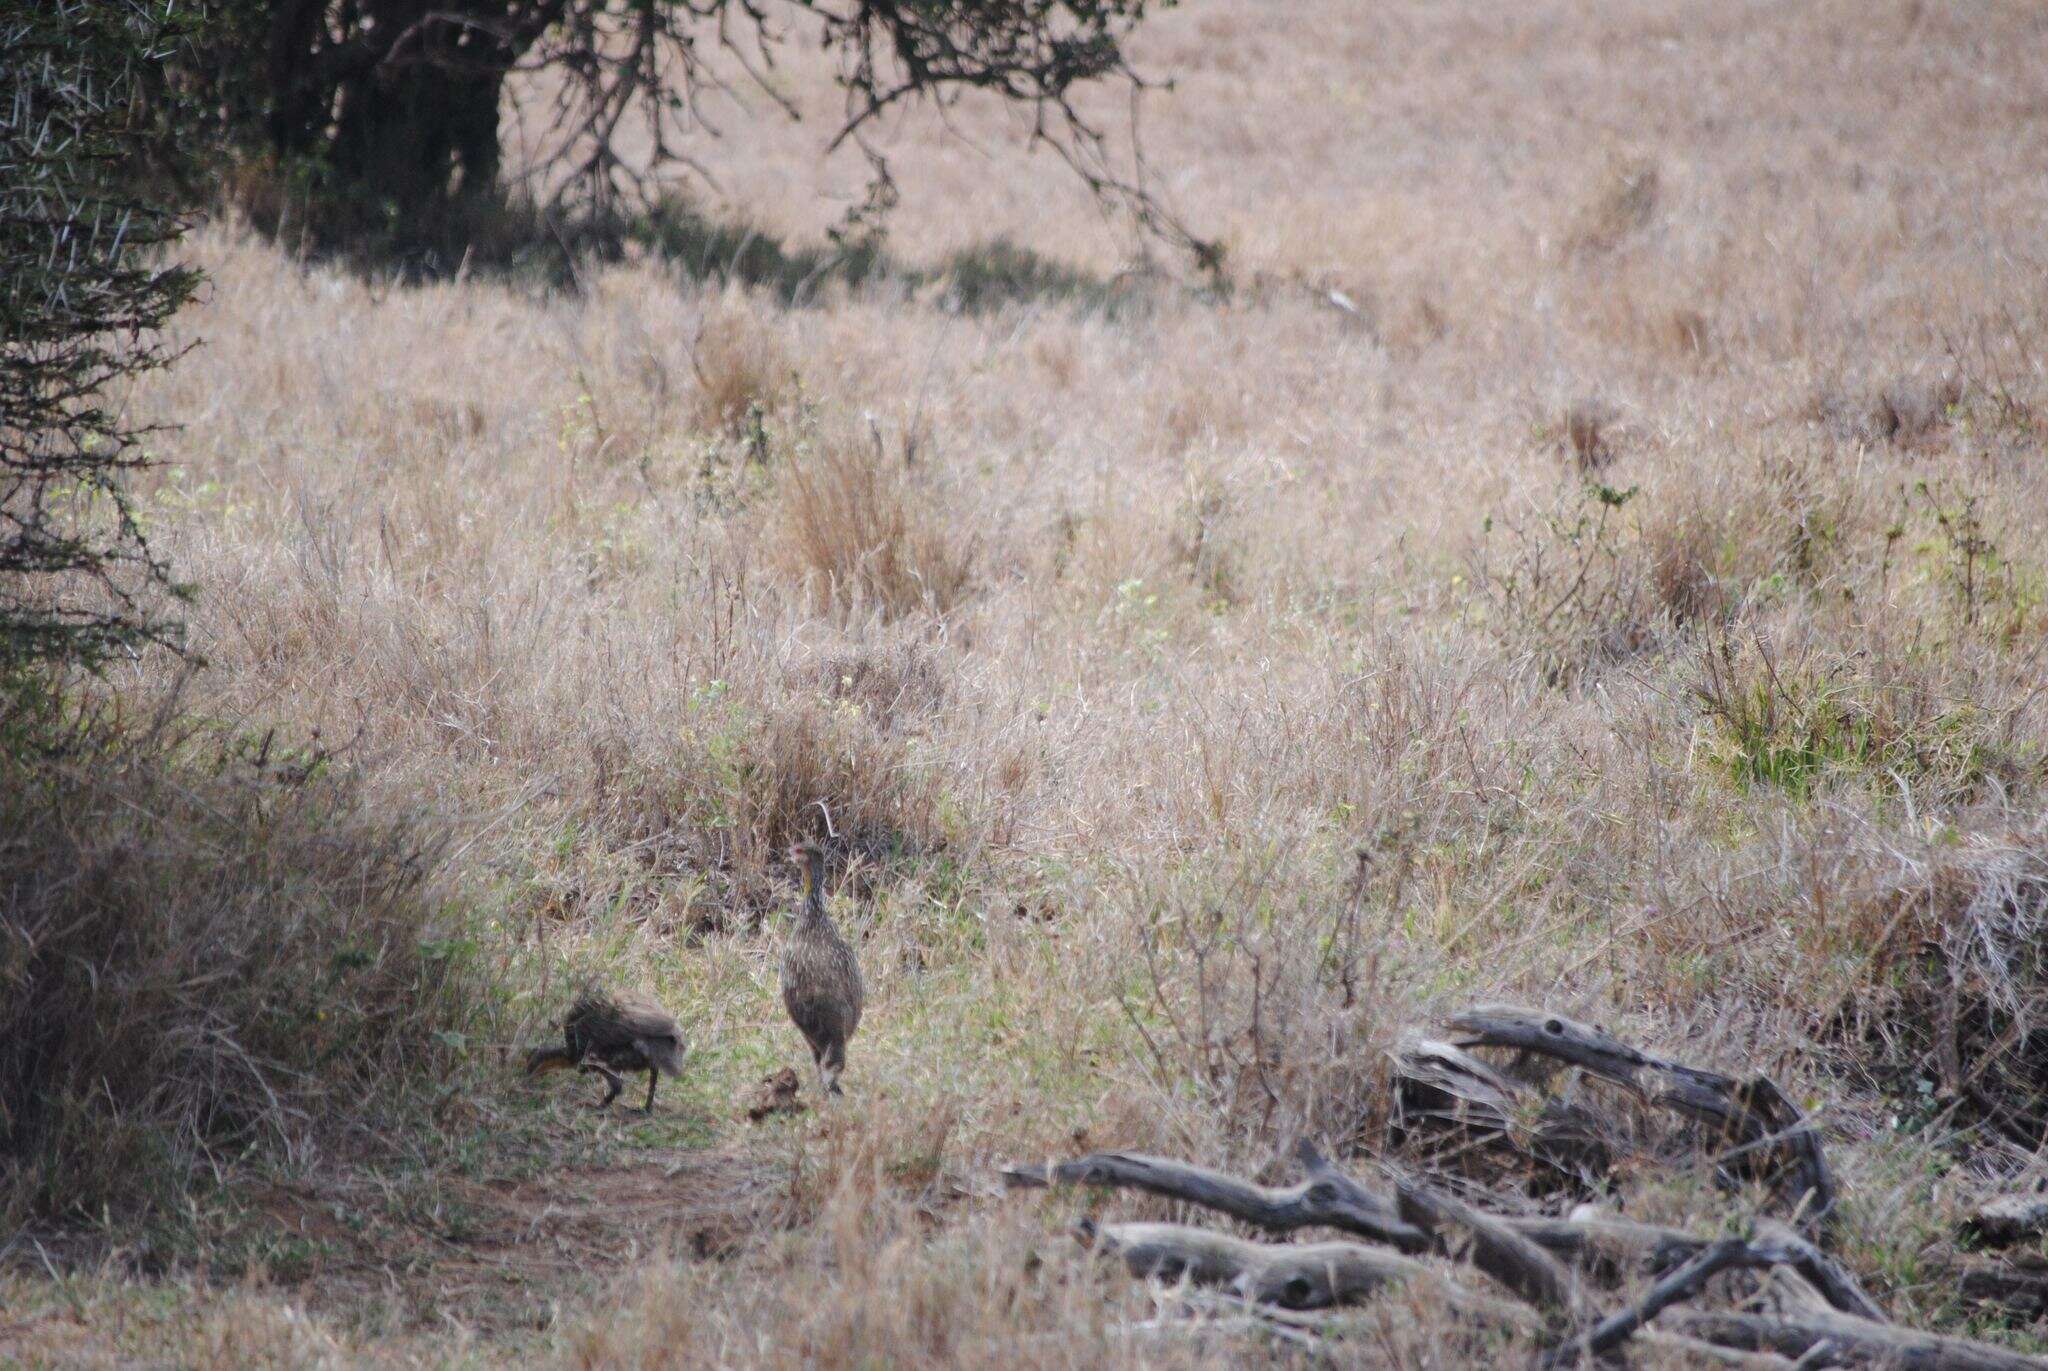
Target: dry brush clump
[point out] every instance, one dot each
(1952, 1015)
(741, 368)
(719, 783)
(213, 941)
(1621, 201)
(1586, 582)
(858, 533)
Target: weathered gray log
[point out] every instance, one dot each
(1455, 1086)
(1856, 1341)
(1437, 1082)
(1754, 1116)
(2007, 1220)
(1497, 1249)
(1604, 1240)
(1318, 1275)
(1330, 1198)
(1780, 1250)
(1607, 1245)
(1319, 1201)
(1785, 1247)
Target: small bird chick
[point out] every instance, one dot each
(608, 1035)
(821, 985)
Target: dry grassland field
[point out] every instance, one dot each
(1592, 557)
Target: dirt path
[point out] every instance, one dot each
(497, 1252)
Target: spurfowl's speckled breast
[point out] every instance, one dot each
(821, 982)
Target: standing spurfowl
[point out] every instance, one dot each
(821, 984)
(607, 1036)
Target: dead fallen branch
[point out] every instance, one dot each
(1317, 1202)
(1767, 1135)
(1682, 1284)
(1320, 1275)
(1438, 1085)
(1293, 1276)
(1789, 1250)
(1853, 1341)
(2007, 1220)
(1492, 1246)
(2020, 1291)
(1697, 1353)
(1516, 1251)
(1803, 1309)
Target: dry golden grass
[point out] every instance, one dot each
(1109, 639)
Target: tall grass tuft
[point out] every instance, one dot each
(858, 534)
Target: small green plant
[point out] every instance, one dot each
(1788, 723)
(1951, 538)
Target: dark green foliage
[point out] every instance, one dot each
(379, 119)
(999, 272)
(84, 287)
(973, 280)
(707, 250)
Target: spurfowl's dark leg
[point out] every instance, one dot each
(612, 1079)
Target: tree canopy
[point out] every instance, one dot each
(397, 103)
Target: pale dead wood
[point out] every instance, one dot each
(1754, 1116)
(2018, 1290)
(1319, 1275)
(1605, 1242)
(1311, 1276)
(1322, 1200)
(1519, 1252)
(1495, 1247)
(2007, 1220)
(1473, 1094)
(1440, 1083)
(1788, 1249)
(1295, 1276)
(1698, 1353)
(1856, 1342)
(1816, 1311)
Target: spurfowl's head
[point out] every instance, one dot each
(666, 1052)
(809, 859)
